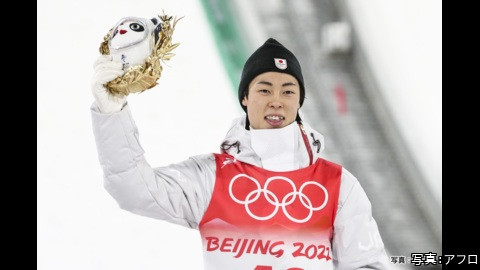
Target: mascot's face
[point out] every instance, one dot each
(130, 41)
(128, 32)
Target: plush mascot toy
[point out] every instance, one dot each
(140, 45)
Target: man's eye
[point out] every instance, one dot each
(288, 92)
(264, 91)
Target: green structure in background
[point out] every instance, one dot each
(227, 37)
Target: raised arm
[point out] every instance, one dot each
(178, 193)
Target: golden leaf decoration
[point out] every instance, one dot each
(143, 77)
(104, 49)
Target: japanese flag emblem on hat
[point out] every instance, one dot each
(280, 63)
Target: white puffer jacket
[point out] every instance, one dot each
(180, 193)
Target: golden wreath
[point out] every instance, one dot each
(139, 78)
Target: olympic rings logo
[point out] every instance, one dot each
(287, 200)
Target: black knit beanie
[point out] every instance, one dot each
(271, 56)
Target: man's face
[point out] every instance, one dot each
(273, 100)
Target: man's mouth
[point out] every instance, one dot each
(274, 120)
(274, 117)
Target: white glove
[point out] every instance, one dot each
(105, 71)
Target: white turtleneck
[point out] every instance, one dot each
(280, 149)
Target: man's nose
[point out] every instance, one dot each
(276, 102)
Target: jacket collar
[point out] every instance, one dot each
(237, 143)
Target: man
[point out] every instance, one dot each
(267, 201)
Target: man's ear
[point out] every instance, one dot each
(244, 101)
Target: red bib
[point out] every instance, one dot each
(260, 219)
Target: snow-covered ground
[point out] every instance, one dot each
(79, 226)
